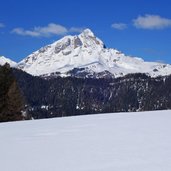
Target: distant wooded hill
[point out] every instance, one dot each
(23, 96)
(57, 97)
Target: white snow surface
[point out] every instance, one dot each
(4, 60)
(87, 51)
(107, 142)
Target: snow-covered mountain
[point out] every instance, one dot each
(86, 55)
(4, 60)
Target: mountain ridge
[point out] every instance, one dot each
(4, 60)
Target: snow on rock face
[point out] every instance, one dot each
(4, 60)
(87, 51)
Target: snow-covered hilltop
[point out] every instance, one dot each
(85, 53)
(4, 60)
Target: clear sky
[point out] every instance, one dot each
(136, 27)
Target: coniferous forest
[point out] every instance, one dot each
(57, 97)
(11, 99)
(23, 96)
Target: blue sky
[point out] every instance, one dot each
(136, 27)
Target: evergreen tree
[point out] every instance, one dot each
(11, 101)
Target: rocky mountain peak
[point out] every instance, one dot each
(87, 33)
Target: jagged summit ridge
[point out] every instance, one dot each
(86, 55)
(88, 32)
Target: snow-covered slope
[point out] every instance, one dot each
(4, 60)
(110, 142)
(88, 52)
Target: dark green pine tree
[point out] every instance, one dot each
(11, 101)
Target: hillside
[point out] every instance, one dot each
(108, 142)
(46, 98)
